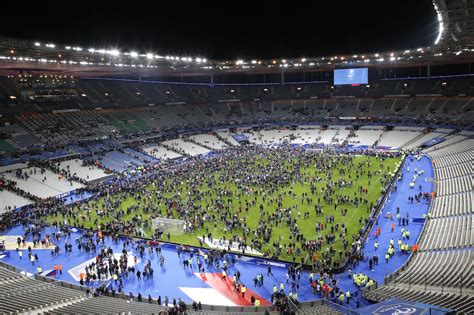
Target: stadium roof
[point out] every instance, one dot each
(456, 18)
(35, 56)
(454, 44)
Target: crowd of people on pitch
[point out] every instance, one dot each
(214, 196)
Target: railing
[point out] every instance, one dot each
(339, 307)
(446, 285)
(366, 289)
(293, 307)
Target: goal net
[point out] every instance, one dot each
(172, 226)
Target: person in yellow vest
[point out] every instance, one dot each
(376, 245)
(32, 259)
(399, 244)
(275, 289)
(115, 277)
(224, 274)
(39, 270)
(387, 257)
(243, 290)
(257, 302)
(295, 296)
(371, 282)
(282, 287)
(348, 296)
(311, 277)
(341, 298)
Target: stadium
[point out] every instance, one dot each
(139, 182)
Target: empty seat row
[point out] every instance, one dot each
(454, 170)
(451, 205)
(449, 146)
(208, 140)
(453, 144)
(455, 158)
(19, 293)
(447, 232)
(454, 185)
(438, 269)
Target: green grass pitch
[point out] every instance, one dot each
(379, 169)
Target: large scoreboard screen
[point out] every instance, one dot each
(351, 76)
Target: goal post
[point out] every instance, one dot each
(172, 226)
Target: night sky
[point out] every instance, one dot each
(226, 29)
